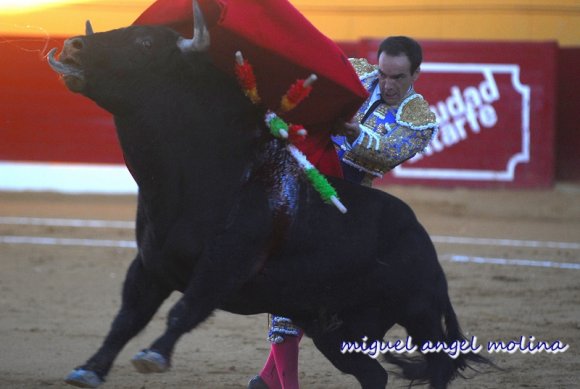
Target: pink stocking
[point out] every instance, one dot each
(281, 368)
(269, 374)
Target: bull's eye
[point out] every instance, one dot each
(146, 43)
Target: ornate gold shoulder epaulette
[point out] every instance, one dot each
(362, 66)
(414, 113)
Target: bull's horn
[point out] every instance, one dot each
(200, 40)
(88, 28)
(61, 68)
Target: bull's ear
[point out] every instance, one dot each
(200, 40)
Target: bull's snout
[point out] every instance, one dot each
(71, 52)
(68, 65)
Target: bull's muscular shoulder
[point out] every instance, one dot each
(362, 67)
(414, 112)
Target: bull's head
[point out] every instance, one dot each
(87, 60)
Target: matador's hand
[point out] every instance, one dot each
(349, 129)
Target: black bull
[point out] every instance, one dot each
(225, 216)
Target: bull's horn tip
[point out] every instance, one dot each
(88, 28)
(51, 52)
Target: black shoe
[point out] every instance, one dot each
(257, 383)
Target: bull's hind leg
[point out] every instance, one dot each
(142, 296)
(426, 326)
(366, 369)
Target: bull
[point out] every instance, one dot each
(226, 217)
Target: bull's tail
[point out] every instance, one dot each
(439, 368)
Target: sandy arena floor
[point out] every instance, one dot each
(58, 297)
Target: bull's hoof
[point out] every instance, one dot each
(148, 361)
(83, 379)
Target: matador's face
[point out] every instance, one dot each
(395, 77)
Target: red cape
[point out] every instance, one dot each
(282, 46)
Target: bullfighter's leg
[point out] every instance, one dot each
(368, 371)
(281, 367)
(141, 298)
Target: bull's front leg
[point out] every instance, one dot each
(229, 260)
(141, 298)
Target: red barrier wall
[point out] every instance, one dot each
(568, 133)
(496, 101)
(40, 120)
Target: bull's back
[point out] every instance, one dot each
(335, 258)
